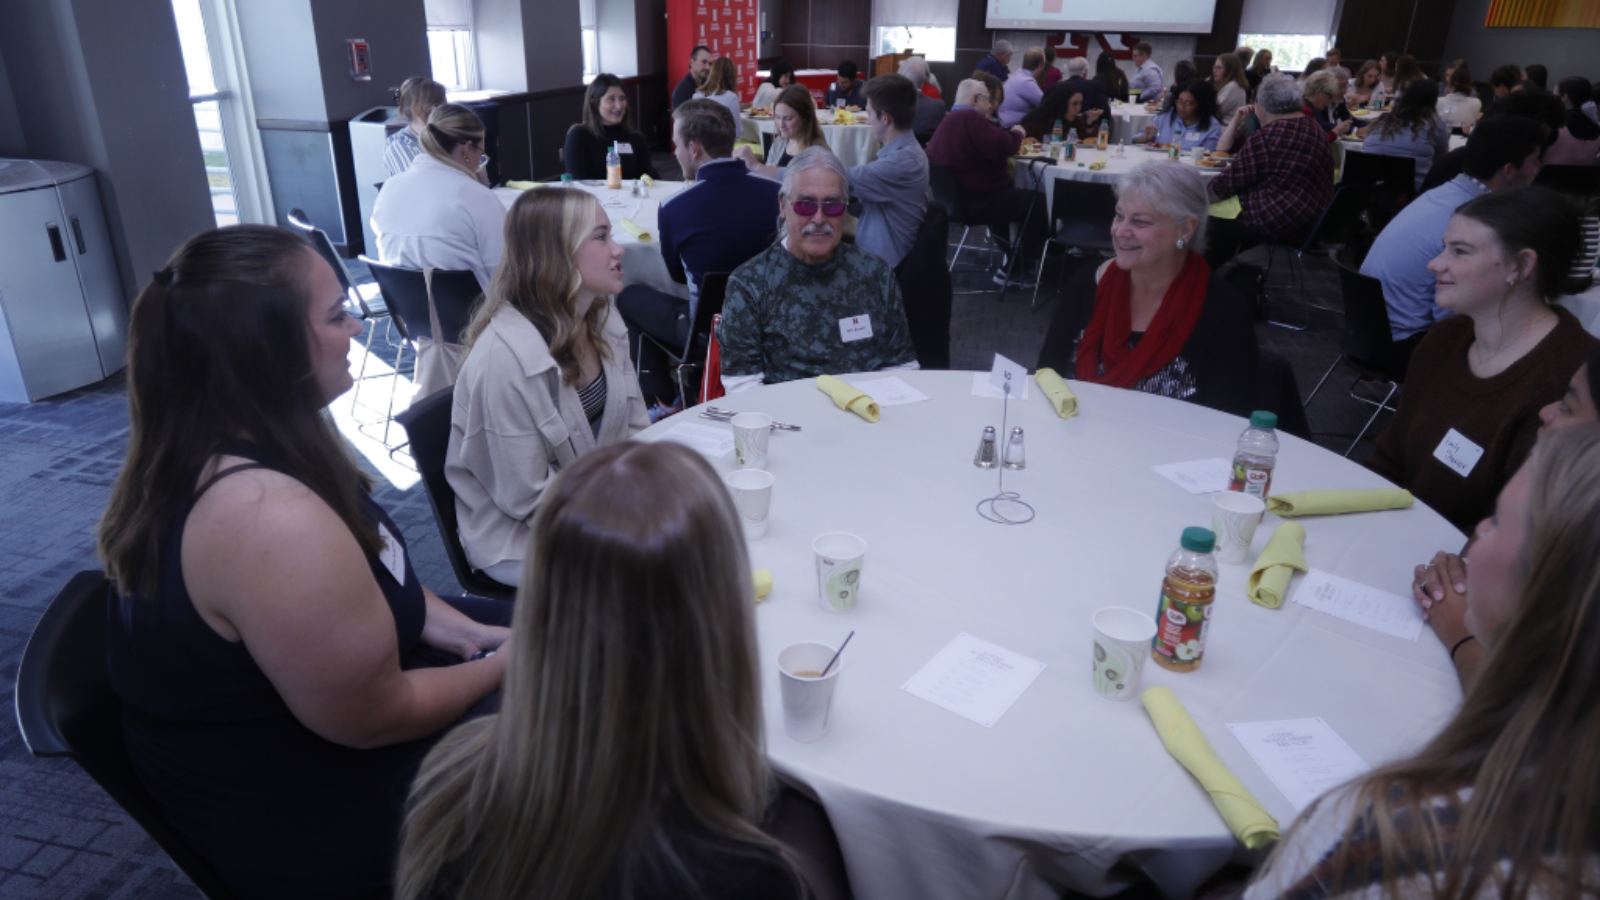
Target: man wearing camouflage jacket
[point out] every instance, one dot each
(810, 305)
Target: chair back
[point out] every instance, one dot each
(1579, 182)
(406, 291)
(1367, 342)
(766, 144)
(323, 244)
(947, 192)
(1280, 393)
(66, 708)
(711, 376)
(1081, 213)
(1395, 176)
(926, 291)
(427, 425)
(713, 292)
(1339, 220)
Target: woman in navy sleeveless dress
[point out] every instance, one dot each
(282, 669)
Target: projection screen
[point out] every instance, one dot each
(1153, 16)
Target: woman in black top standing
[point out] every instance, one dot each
(282, 669)
(605, 122)
(1111, 77)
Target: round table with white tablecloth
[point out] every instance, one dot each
(1128, 121)
(1066, 789)
(1119, 161)
(1353, 145)
(641, 259)
(853, 144)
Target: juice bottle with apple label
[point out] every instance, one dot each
(1184, 613)
(1257, 455)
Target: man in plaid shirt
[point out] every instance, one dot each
(1283, 176)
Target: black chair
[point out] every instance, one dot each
(713, 291)
(1335, 227)
(66, 708)
(1394, 176)
(454, 294)
(926, 291)
(1367, 344)
(427, 425)
(766, 143)
(947, 193)
(1576, 181)
(1080, 216)
(1280, 394)
(364, 301)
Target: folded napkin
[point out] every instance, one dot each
(1284, 553)
(648, 181)
(847, 396)
(1226, 209)
(1098, 164)
(1328, 503)
(1056, 391)
(633, 228)
(763, 583)
(1250, 821)
(522, 185)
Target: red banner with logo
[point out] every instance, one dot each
(730, 28)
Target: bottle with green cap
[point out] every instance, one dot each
(1184, 613)
(1257, 455)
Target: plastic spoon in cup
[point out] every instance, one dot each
(836, 653)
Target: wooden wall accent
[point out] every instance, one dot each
(821, 34)
(1369, 28)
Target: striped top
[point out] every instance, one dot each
(593, 398)
(398, 151)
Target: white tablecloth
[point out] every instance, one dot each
(641, 261)
(1116, 167)
(1128, 121)
(1586, 306)
(853, 144)
(1066, 784)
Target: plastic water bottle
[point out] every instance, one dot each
(1257, 455)
(613, 169)
(1104, 137)
(1055, 133)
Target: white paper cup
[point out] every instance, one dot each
(1234, 517)
(1121, 645)
(840, 558)
(752, 494)
(751, 431)
(807, 695)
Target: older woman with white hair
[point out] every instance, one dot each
(930, 102)
(1155, 319)
(1283, 176)
(1325, 103)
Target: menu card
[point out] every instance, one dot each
(1303, 757)
(974, 679)
(1352, 601)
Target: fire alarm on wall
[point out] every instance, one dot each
(360, 59)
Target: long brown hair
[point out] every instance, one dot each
(219, 349)
(724, 77)
(1528, 731)
(598, 88)
(539, 278)
(798, 98)
(1232, 71)
(632, 706)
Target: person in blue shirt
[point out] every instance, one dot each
(1413, 128)
(1503, 152)
(724, 218)
(847, 88)
(998, 62)
(893, 187)
(1192, 121)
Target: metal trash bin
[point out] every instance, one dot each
(368, 131)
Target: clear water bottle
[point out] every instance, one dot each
(1257, 455)
(613, 169)
(1072, 136)
(1055, 133)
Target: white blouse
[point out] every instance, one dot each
(432, 214)
(730, 99)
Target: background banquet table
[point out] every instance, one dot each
(1353, 145)
(853, 144)
(641, 260)
(1117, 165)
(1128, 121)
(1067, 789)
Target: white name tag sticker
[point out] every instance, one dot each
(625, 149)
(1458, 453)
(393, 556)
(855, 328)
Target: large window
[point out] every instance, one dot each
(591, 55)
(1290, 52)
(450, 50)
(224, 116)
(933, 43)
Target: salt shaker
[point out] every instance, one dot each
(985, 457)
(1015, 458)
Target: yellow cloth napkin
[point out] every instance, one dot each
(1269, 578)
(1226, 209)
(846, 396)
(1056, 391)
(522, 185)
(1328, 503)
(1250, 821)
(633, 228)
(763, 583)
(648, 181)
(1097, 165)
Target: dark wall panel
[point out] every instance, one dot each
(1368, 28)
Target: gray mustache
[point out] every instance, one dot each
(823, 229)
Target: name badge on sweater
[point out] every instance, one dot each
(855, 328)
(625, 149)
(1458, 453)
(393, 556)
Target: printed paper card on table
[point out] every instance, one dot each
(1303, 757)
(974, 679)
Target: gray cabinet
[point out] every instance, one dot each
(65, 323)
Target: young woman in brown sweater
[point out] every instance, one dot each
(1470, 411)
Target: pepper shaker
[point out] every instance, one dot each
(985, 457)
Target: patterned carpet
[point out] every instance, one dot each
(62, 838)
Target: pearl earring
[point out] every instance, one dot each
(1180, 243)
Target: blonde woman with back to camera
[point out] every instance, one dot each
(437, 214)
(546, 378)
(1505, 801)
(627, 760)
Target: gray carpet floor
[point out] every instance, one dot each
(62, 838)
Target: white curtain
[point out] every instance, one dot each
(449, 13)
(1287, 17)
(936, 13)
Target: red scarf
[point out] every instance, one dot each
(1106, 337)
